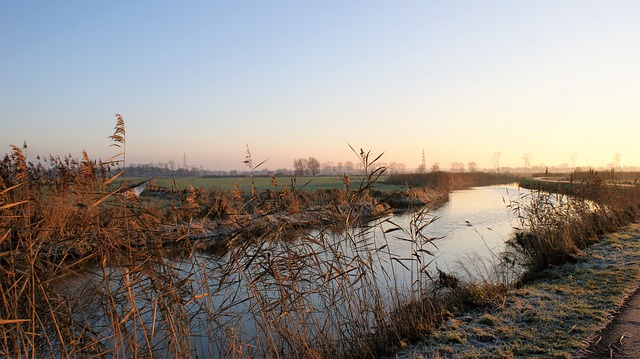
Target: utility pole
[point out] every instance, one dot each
(423, 166)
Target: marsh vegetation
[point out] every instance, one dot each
(88, 269)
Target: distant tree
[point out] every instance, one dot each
(572, 158)
(313, 165)
(327, 168)
(348, 167)
(396, 168)
(282, 172)
(527, 161)
(473, 167)
(457, 167)
(435, 167)
(299, 166)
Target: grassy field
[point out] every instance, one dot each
(391, 183)
(262, 183)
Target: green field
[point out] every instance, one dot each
(261, 183)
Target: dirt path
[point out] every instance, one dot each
(621, 338)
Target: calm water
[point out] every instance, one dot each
(473, 224)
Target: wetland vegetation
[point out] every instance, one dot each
(262, 268)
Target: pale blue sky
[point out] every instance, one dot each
(291, 79)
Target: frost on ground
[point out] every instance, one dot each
(554, 316)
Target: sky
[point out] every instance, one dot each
(459, 80)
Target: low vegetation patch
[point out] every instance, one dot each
(448, 180)
(554, 316)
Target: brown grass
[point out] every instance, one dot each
(558, 220)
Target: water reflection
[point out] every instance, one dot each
(472, 225)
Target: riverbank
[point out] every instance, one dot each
(556, 315)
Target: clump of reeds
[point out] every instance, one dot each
(57, 217)
(446, 181)
(558, 220)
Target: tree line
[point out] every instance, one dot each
(301, 167)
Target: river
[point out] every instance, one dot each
(471, 226)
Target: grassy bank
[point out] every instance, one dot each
(577, 246)
(555, 315)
